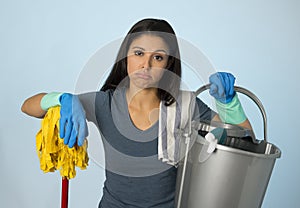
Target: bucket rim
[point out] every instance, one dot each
(275, 155)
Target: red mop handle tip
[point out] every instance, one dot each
(64, 192)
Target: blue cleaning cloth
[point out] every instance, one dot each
(220, 134)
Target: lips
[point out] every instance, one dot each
(143, 76)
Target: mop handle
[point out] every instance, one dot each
(250, 95)
(183, 171)
(64, 192)
(187, 136)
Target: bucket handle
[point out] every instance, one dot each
(250, 95)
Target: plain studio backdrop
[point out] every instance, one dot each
(45, 45)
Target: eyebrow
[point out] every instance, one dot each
(159, 50)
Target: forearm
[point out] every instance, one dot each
(246, 124)
(228, 104)
(32, 107)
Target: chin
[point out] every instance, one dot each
(144, 84)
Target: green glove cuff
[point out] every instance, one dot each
(50, 100)
(232, 112)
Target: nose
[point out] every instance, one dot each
(146, 64)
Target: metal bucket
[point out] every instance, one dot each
(231, 177)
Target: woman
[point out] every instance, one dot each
(126, 111)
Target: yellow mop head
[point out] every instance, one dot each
(53, 153)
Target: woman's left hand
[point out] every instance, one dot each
(222, 86)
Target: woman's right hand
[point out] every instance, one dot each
(73, 125)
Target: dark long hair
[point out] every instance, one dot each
(168, 87)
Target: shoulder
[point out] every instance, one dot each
(94, 94)
(189, 96)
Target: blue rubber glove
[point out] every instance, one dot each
(222, 86)
(228, 105)
(73, 126)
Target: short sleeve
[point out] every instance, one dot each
(202, 111)
(89, 102)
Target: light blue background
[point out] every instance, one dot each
(45, 44)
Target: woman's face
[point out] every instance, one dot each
(147, 59)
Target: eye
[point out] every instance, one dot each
(138, 53)
(158, 57)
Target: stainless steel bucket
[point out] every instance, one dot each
(230, 177)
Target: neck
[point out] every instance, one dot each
(143, 107)
(142, 97)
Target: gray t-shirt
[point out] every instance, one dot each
(135, 178)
